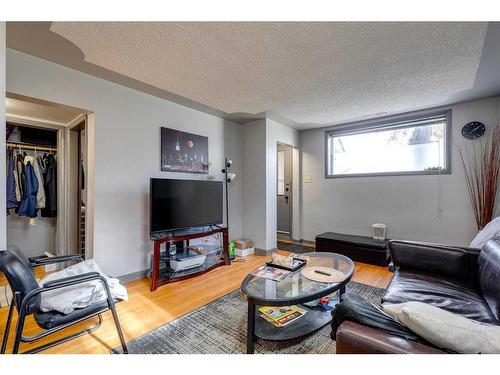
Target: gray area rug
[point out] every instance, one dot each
(294, 248)
(220, 328)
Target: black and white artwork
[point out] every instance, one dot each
(183, 152)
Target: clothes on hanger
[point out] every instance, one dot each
(28, 204)
(40, 196)
(32, 184)
(50, 186)
(21, 181)
(16, 178)
(12, 201)
(83, 177)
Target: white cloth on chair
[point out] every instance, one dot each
(78, 296)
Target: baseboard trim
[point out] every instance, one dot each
(133, 276)
(265, 252)
(302, 241)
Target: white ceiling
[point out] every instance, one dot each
(310, 74)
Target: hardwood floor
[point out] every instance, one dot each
(145, 310)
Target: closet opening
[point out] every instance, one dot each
(48, 174)
(32, 189)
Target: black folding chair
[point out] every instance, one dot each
(27, 297)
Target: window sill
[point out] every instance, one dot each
(390, 174)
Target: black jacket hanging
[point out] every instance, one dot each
(50, 179)
(11, 182)
(21, 175)
(28, 204)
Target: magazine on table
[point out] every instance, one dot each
(271, 273)
(281, 316)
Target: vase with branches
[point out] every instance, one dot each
(482, 171)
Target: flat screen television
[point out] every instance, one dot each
(180, 204)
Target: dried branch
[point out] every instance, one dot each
(482, 172)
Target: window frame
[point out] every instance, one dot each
(401, 121)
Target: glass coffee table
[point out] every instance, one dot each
(293, 290)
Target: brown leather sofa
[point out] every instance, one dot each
(462, 280)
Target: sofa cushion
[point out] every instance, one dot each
(489, 232)
(447, 294)
(489, 275)
(447, 330)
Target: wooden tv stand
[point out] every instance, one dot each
(211, 262)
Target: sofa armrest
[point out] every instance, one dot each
(354, 338)
(448, 261)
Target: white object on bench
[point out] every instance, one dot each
(78, 296)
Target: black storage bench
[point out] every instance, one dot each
(358, 248)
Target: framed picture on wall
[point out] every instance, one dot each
(183, 152)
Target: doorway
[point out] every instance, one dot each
(43, 134)
(284, 190)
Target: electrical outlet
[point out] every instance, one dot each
(308, 179)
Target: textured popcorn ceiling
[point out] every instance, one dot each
(310, 73)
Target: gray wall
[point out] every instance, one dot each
(277, 133)
(409, 205)
(260, 139)
(127, 152)
(35, 239)
(254, 182)
(3, 207)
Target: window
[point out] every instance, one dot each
(400, 145)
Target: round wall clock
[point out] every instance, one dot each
(473, 130)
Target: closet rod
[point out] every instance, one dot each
(27, 147)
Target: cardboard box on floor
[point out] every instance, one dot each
(243, 247)
(243, 244)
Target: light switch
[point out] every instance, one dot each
(308, 179)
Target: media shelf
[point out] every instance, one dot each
(216, 256)
(212, 261)
(186, 252)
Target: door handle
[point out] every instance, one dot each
(286, 198)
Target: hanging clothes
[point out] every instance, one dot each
(12, 201)
(50, 179)
(83, 177)
(40, 196)
(21, 175)
(28, 204)
(18, 171)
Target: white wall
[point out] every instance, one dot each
(3, 202)
(254, 182)
(407, 204)
(277, 133)
(127, 152)
(260, 140)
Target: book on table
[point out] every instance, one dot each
(280, 316)
(271, 273)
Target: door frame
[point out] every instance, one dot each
(280, 146)
(88, 119)
(63, 142)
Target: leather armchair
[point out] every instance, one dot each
(26, 299)
(458, 279)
